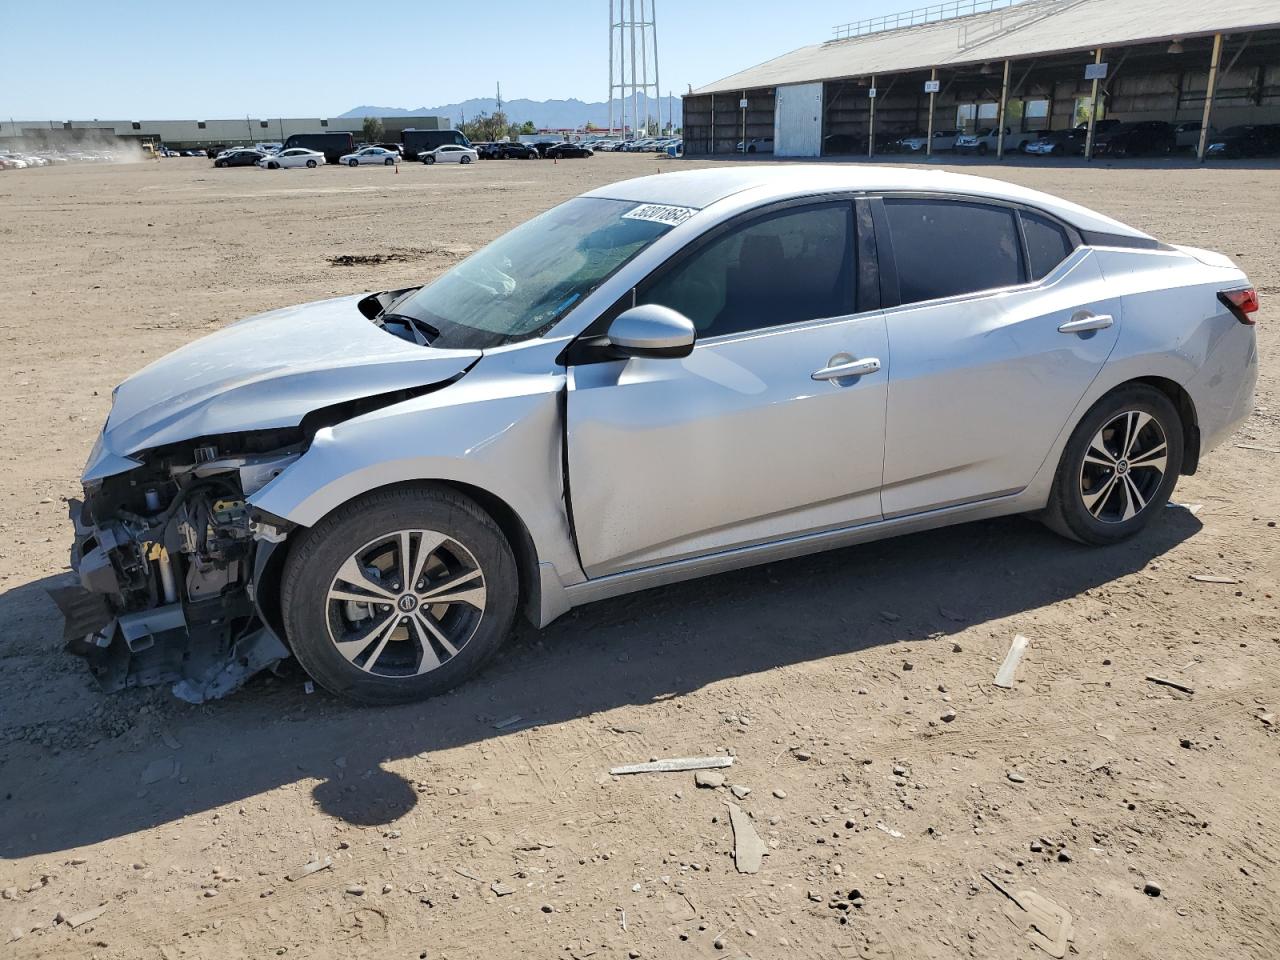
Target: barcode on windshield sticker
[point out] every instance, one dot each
(660, 213)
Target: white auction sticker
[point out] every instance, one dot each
(660, 213)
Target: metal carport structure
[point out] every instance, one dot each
(990, 60)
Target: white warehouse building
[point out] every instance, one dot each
(199, 134)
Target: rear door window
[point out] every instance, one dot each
(945, 248)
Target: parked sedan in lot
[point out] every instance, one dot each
(663, 378)
(561, 151)
(293, 157)
(943, 140)
(987, 140)
(1187, 135)
(1145, 138)
(517, 151)
(238, 158)
(1057, 143)
(371, 156)
(1254, 140)
(449, 153)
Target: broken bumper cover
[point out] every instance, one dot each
(206, 649)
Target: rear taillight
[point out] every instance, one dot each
(1242, 302)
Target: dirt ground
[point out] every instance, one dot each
(827, 678)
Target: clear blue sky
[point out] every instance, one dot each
(206, 59)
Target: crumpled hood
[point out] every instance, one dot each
(266, 372)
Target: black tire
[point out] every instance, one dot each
(353, 162)
(311, 164)
(314, 561)
(464, 159)
(273, 166)
(1067, 513)
(982, 149)
(219, 163)
(389, 161)
(428, 159)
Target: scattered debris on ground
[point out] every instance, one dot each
(676, 765)
(1004, 676)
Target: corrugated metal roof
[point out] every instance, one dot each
(1025, 30)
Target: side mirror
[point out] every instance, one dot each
(651, 330)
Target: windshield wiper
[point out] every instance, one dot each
(420, 329)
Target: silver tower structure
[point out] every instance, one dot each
(633, 62)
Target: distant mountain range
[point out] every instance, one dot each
(544, 113)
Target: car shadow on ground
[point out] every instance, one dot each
(633, 650)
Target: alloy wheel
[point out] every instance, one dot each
(406, 603)
(1124, 466)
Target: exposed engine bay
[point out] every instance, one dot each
(177, 568)
(168, 556)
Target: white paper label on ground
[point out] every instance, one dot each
(660, 213)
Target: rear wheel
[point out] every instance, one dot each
(388, 162)
(400, 595)
(1119, 467)
(464, 159)
(311, 164)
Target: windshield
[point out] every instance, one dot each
(527, 280)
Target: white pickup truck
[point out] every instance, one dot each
(987, 139)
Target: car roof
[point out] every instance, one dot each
(701, 188)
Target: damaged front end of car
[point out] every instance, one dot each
(169, 555)
(176, 567)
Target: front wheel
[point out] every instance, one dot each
(428, 160)
(273, 166)
(399, 595)
(353, 163)
(1119, 467)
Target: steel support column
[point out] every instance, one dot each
(1002, 112)
(1093, 110)
(1208, 96)
(871, 124)
(933, 99)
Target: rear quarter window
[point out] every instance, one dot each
(1047, 244)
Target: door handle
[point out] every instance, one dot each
(1087, 322)
(848, 368)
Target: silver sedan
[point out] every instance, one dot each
(661, 379)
